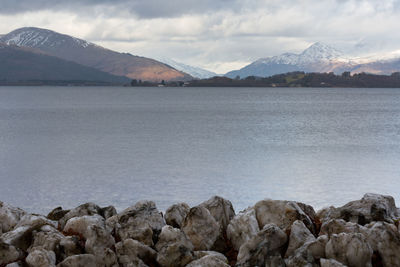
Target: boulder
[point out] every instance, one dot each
(281, 213)
(268, 244)
(41, 258)
(108, 212)
(98, 240)
(174, 248)
(372, 207)
(221, 209)
(87, 209)
(349, 249)
(242, 227)
(209, 261)
(47, 238)
(142, 222)
(9, 254)
(201, 228)
(80, 225)
(299, 235)
(16, 264)
(9, 217)
(308, 254)
(57, 214)
(83, 260)
(384, 239)
(22, 234)
(331, 263)
(202, 253)
(337, 226)
(175, 214)
(130, 250)
(71, 245)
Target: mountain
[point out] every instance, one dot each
(195, 72)
(317, 58)
(20, 64)
(91, 55)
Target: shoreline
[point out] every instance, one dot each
(270, 233)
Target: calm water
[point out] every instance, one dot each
(66, 146)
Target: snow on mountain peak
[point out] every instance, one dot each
(319, 52)
(36, 37)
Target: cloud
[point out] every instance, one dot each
(219, 35)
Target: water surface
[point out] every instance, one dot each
(70, 145)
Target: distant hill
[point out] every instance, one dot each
(24, 64)
(91, 55)
(317, 58)
(195, 72)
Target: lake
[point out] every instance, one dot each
(64, 146)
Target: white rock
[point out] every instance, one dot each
(9, 253)
(299, 235)
(267, 244)
(9, 217)
(83, 260)
(242, 227)
(41, 258)
(281, 213)
(349, 249)
(208, 261)
(174, 248)
(201, 228)
(130, 250)
(87, 209)
(175, 214)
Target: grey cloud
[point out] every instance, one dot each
(139, 8)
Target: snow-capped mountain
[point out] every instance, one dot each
(192, 70)
(318, 57)
(91, 55)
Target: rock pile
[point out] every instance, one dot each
(270, 233)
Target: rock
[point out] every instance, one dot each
(264, 247)
(56, 214)
(71, 245)
(372, 207)
(87, 209)
(201, 228)
(22, 235)
(47, 238)
(83, 260)
(9, 254)
(242, 227)
(281, 213)
(209, 261)
(299, 235)
(80, 225)
(384, 239)
(108, 212)
(308, 254)
(107, 258)
(331, 263)
(41, 258)
(202, 253)
(98, 240)
(15, 264)
(9, 217)
(142, 222)
(175, 214)
(221, 209)
(130, 250)
(338, 226)
(349, 249)
(174, 248)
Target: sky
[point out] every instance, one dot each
(219, 35)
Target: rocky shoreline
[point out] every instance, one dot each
(271, 233)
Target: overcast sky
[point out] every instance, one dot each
(219, 35)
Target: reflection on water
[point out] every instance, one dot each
(66, 146)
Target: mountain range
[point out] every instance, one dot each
(316, 58)
(39, 54)
(90, 55)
